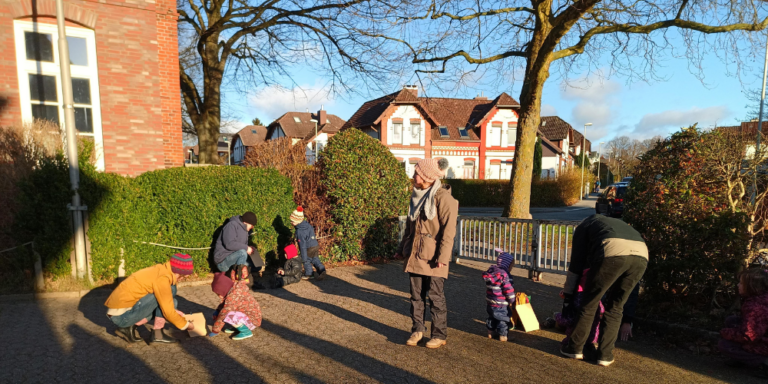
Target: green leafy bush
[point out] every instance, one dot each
(680, 207)
(367, 187)
(177, 206)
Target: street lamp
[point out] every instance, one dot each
(315, 121)
(583, 146)
(760, 121)
(599, 156)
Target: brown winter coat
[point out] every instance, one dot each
(427, 242)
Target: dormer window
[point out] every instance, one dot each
(327, 121)
(297, 119)
(253, 131)
(443, 131)
(463, 132)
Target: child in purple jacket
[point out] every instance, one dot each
(499, 295)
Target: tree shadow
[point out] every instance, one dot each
(284, 236)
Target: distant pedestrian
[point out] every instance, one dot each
(616, 256)
(231, 247)
(291, 271)
(427, 246)
(597, 186)
(149, 294)
(499, 296)
(744, 340)
(308, 245)
(238, 308)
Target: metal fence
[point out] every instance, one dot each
(538, 245)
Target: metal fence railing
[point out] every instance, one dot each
(538, 245)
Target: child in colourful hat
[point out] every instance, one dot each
(308, 245)
(291, 272)
(499, 295)
(239, 308)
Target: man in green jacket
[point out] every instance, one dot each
(428, 248)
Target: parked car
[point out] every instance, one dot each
(627, 179)
(611, 201)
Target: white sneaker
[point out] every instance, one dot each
(577, 356)
(604, 363)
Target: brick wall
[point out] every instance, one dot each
(136, 45)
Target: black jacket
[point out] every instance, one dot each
(598, 237)
(293, 270)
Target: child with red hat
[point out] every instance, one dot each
(291, 272)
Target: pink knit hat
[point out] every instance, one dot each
(431, 169)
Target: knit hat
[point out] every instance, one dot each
(249, 218)
(290, 252)
(431, 169)
(181, 263)
(504, 260)
(221, 283)
(297, 216)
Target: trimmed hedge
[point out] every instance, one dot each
(177, 206)
(367, 187)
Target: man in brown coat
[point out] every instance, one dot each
(428, 246)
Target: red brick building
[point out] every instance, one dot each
(125, 70)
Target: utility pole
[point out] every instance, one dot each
(69, 126)
(315, 140)
(583, 147)
(599, 157)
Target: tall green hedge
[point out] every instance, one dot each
(177, 206)
(367, 187)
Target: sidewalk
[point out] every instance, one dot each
(349, 328)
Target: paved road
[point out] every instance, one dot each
(349, 328)
(576, 212)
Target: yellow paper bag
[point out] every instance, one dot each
(199, 320)
(523, 315)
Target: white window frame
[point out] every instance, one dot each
(397, 138)
(511, 134)
(495, 139)
(26, 67)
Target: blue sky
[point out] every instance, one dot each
(639, 110)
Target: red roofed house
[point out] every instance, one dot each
(245, 139)
(303, 125)
(125, 76)
(477, 136)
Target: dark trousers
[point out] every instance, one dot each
(734, 350)
(498, 319)
(617, 276)
(432, 287)
(311, 259)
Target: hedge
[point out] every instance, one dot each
(560, 192)
(368, 189)
(177, 206)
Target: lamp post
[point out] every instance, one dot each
(599, 156)
(760, 121)
(315, 121)
(583, 146)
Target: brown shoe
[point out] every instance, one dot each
(502, 338)
(436, 343)
(414, 339)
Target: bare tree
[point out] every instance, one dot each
(517, 38)
(257, 40)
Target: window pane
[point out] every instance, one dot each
(81, 91)
(511, 136)
(415, 128)
(84, 120)
(78, 54)
(39, 46)
(46, 112)
(397, 128)
(42, 88)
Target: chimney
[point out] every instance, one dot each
(321, 116)
(412, 88)
(481, 96)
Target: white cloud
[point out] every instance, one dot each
(596, 103)
(663, 123)
(273, 101)
(232, 126)
(548, 110)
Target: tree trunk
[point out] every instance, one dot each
(528, 125)
(209, 125)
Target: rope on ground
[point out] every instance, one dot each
(174, 247)
(18, 246)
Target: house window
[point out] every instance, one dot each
(511, 133)
(495, 135)
(415, 131)
(444, 132)
(469, 169)
(39, 74)
(463, 132)
(397, 137)
(297, 119)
